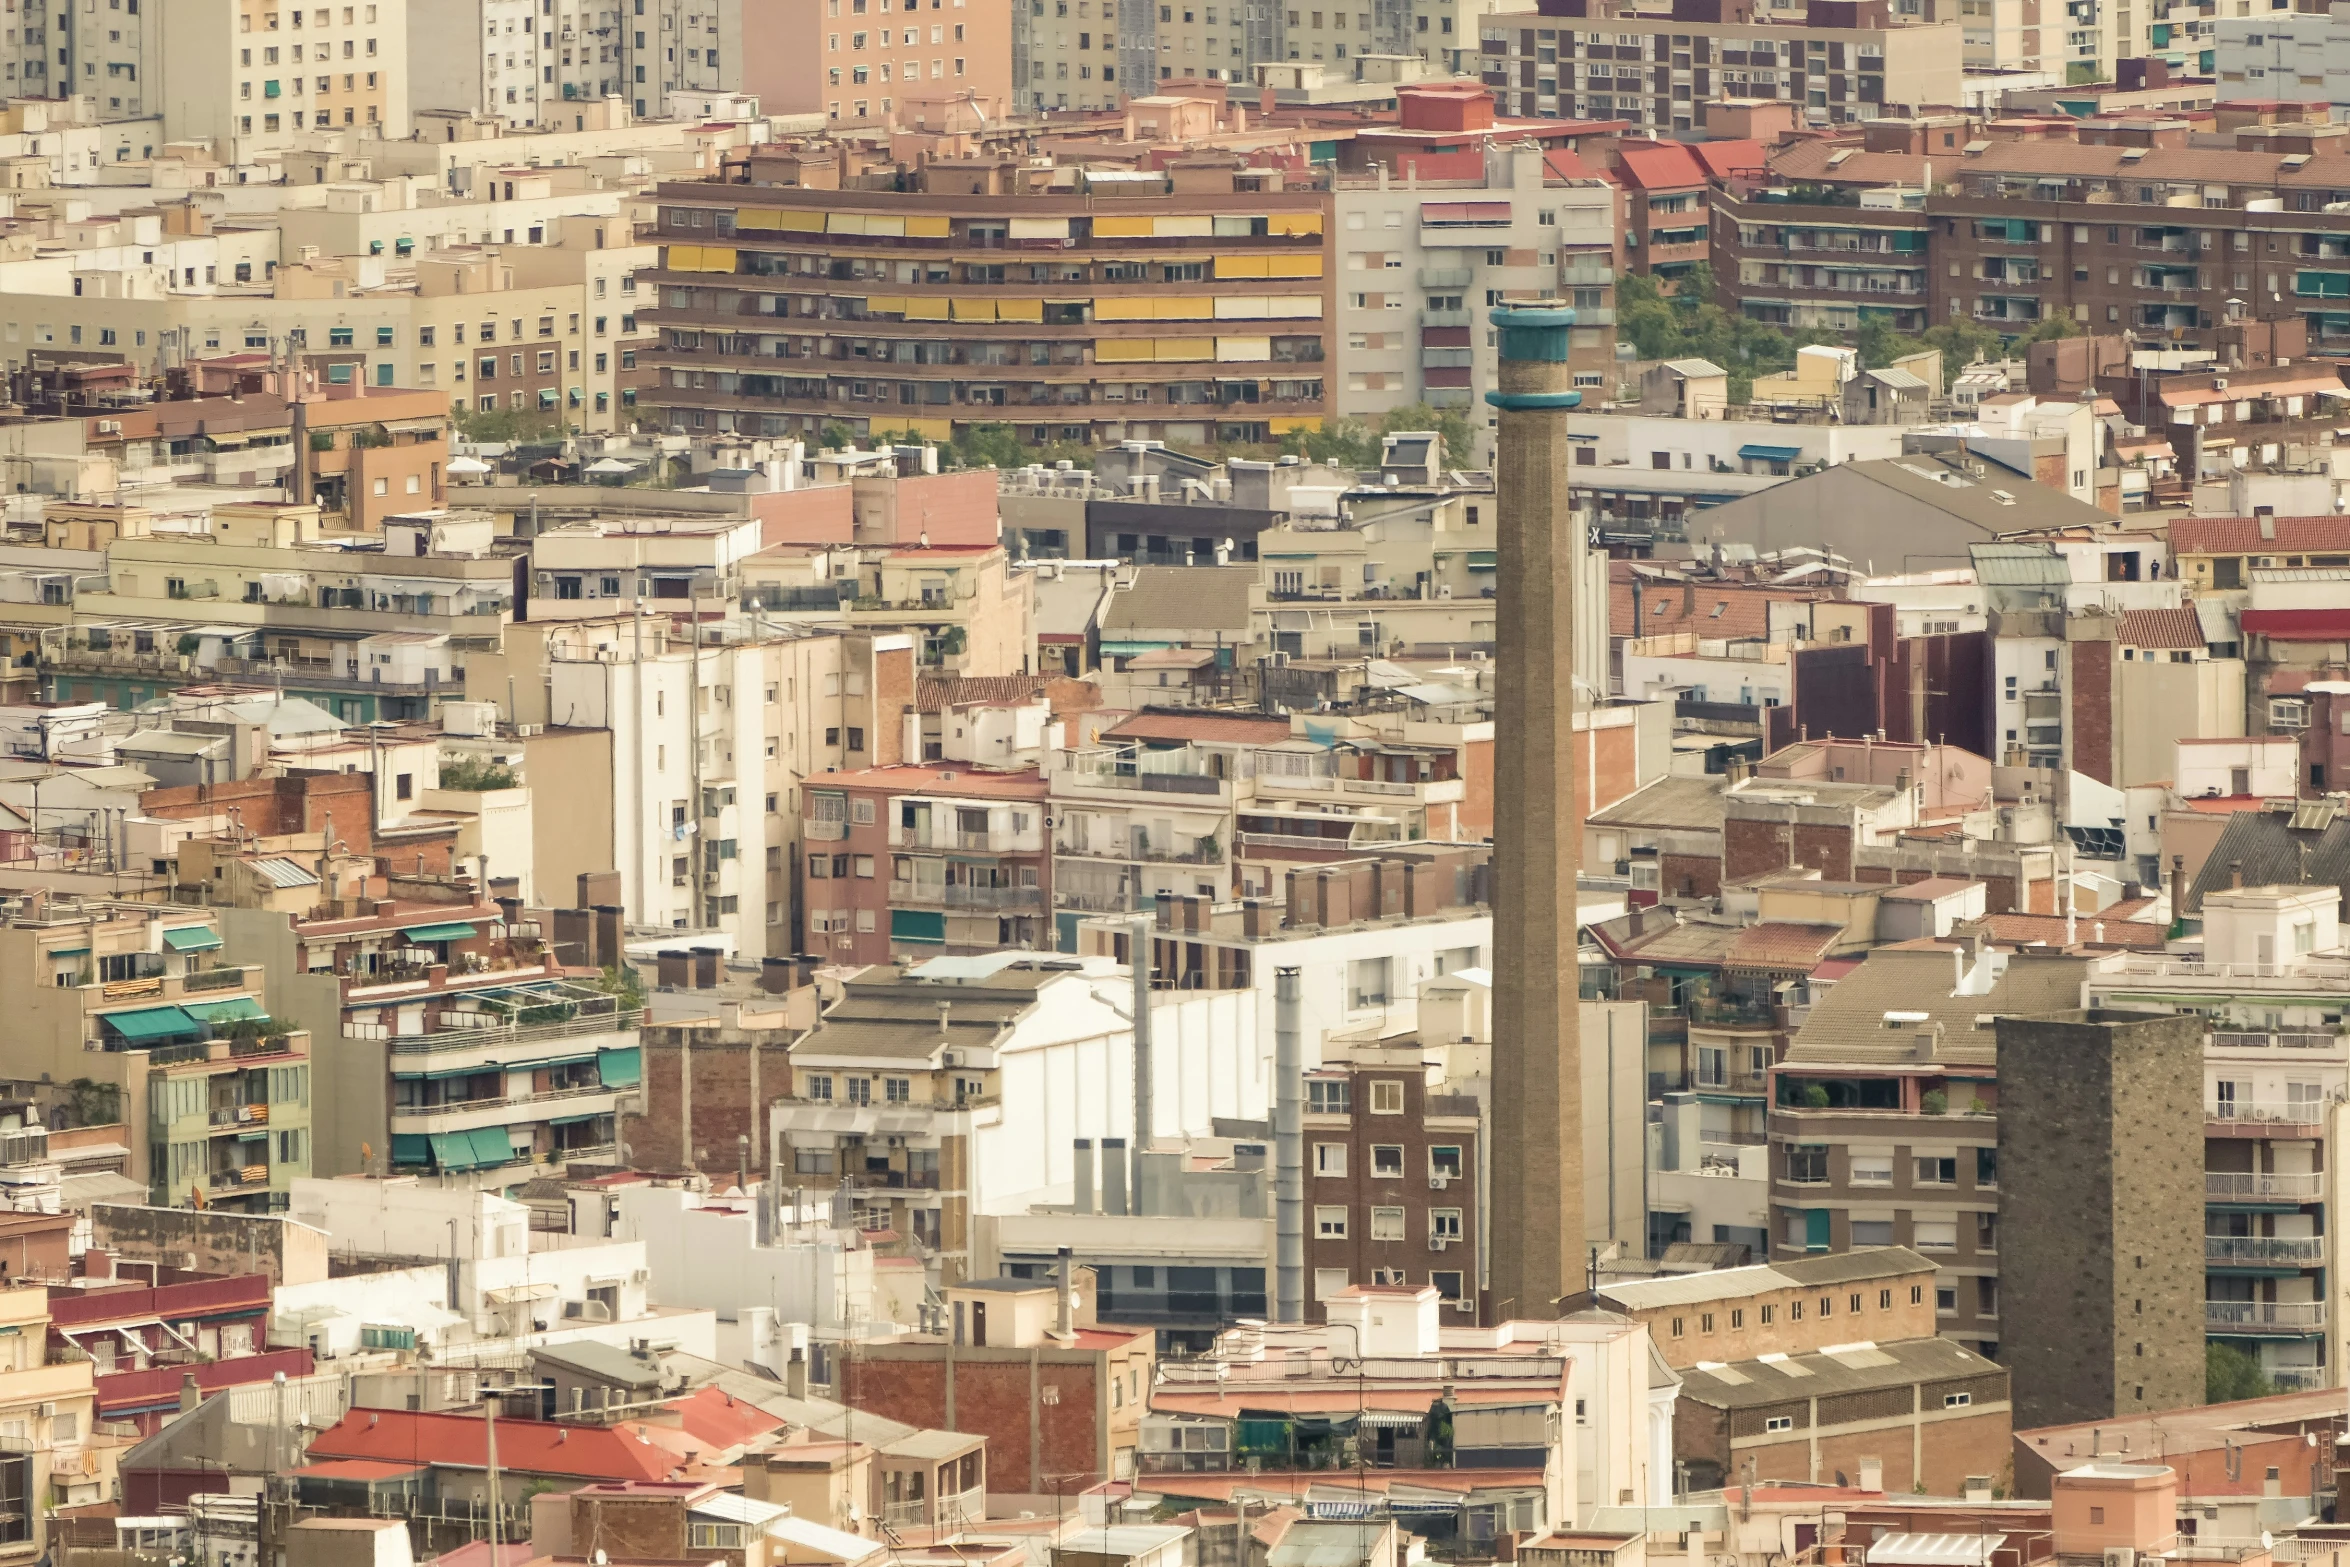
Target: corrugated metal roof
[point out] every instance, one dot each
(1847, 1025)
(283, 872)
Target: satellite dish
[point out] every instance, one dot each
(366, 1153)
(2267, 1540)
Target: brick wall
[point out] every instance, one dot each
(732, 1080)
(1718, 1445)
(1689, 875)
(2090, 695)
(996, 1395)
(1752, 846)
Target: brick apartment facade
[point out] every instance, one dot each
(1846, 60)
(930, 859)
(1795, 1306)
(1393, 1175)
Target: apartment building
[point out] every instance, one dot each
(1238, 351)
(1846, 60)
(115, 58)
(1395, 1172)
(1884, 1123)
(249, 75)
(690, 777)
(547, 329)
(897, 1095)
(2297, 54)
(1417, 263)
(135, 1003)
(528, 62)
(927, 858)
(60, 1456)
(2275, 1077)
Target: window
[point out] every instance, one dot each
(1946, 1300)
(1330, 1159)
(1677, 1328)
(1326, 1095)
(1872, 1167)
(1986, 1169)
(1387, 1097)
(1737, 1318)
(1934, 1234)
(1962, 1400)
(1769, 1315)
(820, 1085)
(1387, 1160)
(1932, 1171)
(1366, 982)
(1872, 1232)
(1387, 1224)
(1328, 1282)
(1444, 1224)
(1330, 1224)
(899, 1090)
(860, 1090)
(1444, 1166)
(1807, 1163)
(1778, 1422)
(1448, 1285)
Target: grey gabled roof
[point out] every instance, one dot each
(1976, 498)
(1689, 802)
(1846, 1368)
(2270, 850)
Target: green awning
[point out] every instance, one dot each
(69, 952)
(1484, 560)
(411, 1148)
(153, 1023)
(434, 1074)
(570, 1060)
(1762, 453)
(192, 938)
(452, 1150)
(491, 1145)
(1112, 648)
(572, 1120)
(925, 925)
(621, 1068)
(439, 932)
(236, 1009)
(253, 1137)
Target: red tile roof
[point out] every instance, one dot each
(2088, 930)
(2241, 535)
(2299, 625)
(2162, 628)
(583, 1452)
(1743, 611)
(1722, 159)
(1664, 165)
(1563, 163)
(1782, 944)
(718, 1419)
(1214, 728)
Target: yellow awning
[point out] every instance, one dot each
(1283, 424)
(974, 309)
(1186, 348)
(927, 228)
(1019, 310)
(1230, 349)
(1121, 228)
(1293, 266)
(844, 223)
(779, 220)
(1294, 223)
(926, 309)
(933, 429)
(1124, 350)
(1240, 266)
(1121, 310)
(889, 305)
(892, 226)
(1183, 308)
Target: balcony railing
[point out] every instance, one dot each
(612, 1020)
(2301, 1251)
(2264, 1112)
(2264, 1316)
(933, 895)
(2279, 1039)
(2250, 1186)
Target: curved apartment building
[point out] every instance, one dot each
(1108, 308)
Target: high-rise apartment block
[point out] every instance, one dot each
(252, 73)
(1120, 309)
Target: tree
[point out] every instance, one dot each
(506, 426)
(2231, 1376)
(1344, 443)
(1450, 424)
(474, 774)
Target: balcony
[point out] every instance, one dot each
(2291, 1318)
(2280, 1039)
(608, 1019)
(2263, 1117)
(2246, 1186)
(956, 896)
(2270, 1251)
(515, 1109)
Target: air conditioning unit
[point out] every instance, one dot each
(1439, 1182)
(2120, 1556)
(1439, 1242)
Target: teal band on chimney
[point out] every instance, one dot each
(1533, 333)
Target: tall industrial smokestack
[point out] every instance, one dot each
(1538, 1223)
(1289, 1151)
(1138, 951)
